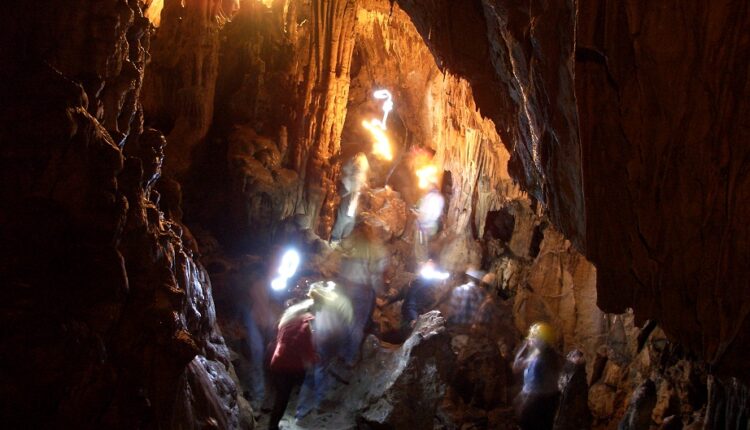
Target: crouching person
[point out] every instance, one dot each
(295, 351)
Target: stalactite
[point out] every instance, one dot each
(323, 108)
(179, 88)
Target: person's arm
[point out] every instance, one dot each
(519, 364)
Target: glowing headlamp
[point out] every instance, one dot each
(387, 105)
(429, 272)
(377, 127)
(288, 267)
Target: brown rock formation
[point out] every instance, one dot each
(655, 167)
(104, 308)
(180, 85)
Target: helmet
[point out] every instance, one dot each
(475, 273)
(489, 279)
(322, 292)
(542, 331)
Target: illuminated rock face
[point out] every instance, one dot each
(651, 190)
(623, 122)
(107, 318)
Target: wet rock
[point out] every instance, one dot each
(407, 392)
(573, 411)
(482, 378)
(640, 407)
(386, 212)
(671, 423)
(602, 401)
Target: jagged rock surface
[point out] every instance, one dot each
(655, 166)
(104, 306)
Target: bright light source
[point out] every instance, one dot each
(377, 127)
(429, 271)
(153, 12)
(288, 267)
(427, 175)
(289, 264)
(387, 106)
(382, 146)
(430, 208)
(278, 284)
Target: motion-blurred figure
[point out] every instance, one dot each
(361, 274)
(258, 322)
(295, 350)
(467, 299)
(429, 211)
(540, 364)
(331, 328)
(353, 179)
(420, 296)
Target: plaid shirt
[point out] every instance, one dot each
(465, 302)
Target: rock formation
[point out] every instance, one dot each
(107, 317)
(592, 156)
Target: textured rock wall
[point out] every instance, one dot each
(661, 89)
(432, 110)
(104, 306)
(524, 86)
(652, 189)
(551, 280)
(324, 99)
(180, 85)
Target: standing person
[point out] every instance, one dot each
(420, 296)
(294, 352)
(361, 273)
(466, 299)
(429, 211)
(353, 179)
(331, 329)
(540, 364)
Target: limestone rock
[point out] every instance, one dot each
(573, 411)
(640, 407)
(602, 400)
(408, 390)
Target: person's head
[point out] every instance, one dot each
(332, 309)
(475, 275)
(321, 294)
(489, 280)
(542, 334)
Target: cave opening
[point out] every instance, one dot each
(370, 214)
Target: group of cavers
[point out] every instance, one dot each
(318, 336)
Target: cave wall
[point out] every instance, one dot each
(651, 192)
(180, 86)
(108, 320)
(551, 281)
(524, 87)
(663, 89)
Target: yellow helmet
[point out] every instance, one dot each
(543, 332)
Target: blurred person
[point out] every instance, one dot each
(331, 327)
(361, 275)
(295, 352)
(540, 363)
(353, 179)
(258, 314)
(429, 211)
(467, 299)
(420, 296)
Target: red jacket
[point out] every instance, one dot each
(294, 346)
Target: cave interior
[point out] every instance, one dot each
(160, 158)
